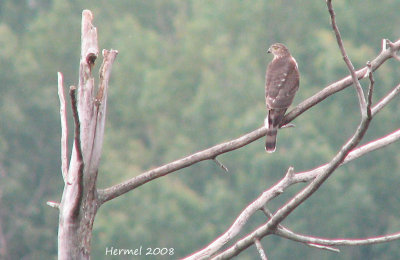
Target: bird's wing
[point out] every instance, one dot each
(281, 83)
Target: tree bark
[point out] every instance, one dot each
(79, 201)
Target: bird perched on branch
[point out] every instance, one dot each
(281, 83)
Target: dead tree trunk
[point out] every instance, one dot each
(79, 201)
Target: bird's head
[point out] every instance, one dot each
(278, 50)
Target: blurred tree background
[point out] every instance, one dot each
(190, 74)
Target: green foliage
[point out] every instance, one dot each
(190, 74)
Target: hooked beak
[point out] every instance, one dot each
(269, 50)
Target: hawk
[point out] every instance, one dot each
(281, 83)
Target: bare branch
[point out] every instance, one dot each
(244, 216)
(78, 153)
(79, 202)
(394, 53)
(64, 128)
(293, 203)
(285, 233)
(207, 154)
(287, 126)
(370, 89)
(100, 102)
(53, 204)
(384, 44)
(260, 250)
(354, 154)
(328, 248)
(290, 173)
(337, 160)
(266, 212)
(357, 85)
(308, 240)
(373, 145)
(396, 57)
(104, 72)
(337, 242)
(286, 182)
(369, 147)
(384, 101)
(223, 167)
(77, 132)
(385, 54)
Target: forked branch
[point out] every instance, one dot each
(272, 226)
(88, 143)
(212, 152)
(299, 198)
(79, 204)
(357, 85)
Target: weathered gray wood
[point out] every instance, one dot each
(79, 202)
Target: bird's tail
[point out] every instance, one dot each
(270, 141)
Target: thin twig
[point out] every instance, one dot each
(338, 242)
(244, 216)
(384, 101)
(337, 160)
(121, 188)
(396, 57)
(394, 53)
(300, 197)
(260, 250)
(386, 53)
(278, 188)
(370, 89)
(287, 126)
(64, 128)
(223, 167)
(104, 72)
(53, 204)
(207, 154)
(357, 85)
(373, 145)
(354, 154)
(266, 212)
(328, 248)
(269, 215)
(285, 232)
